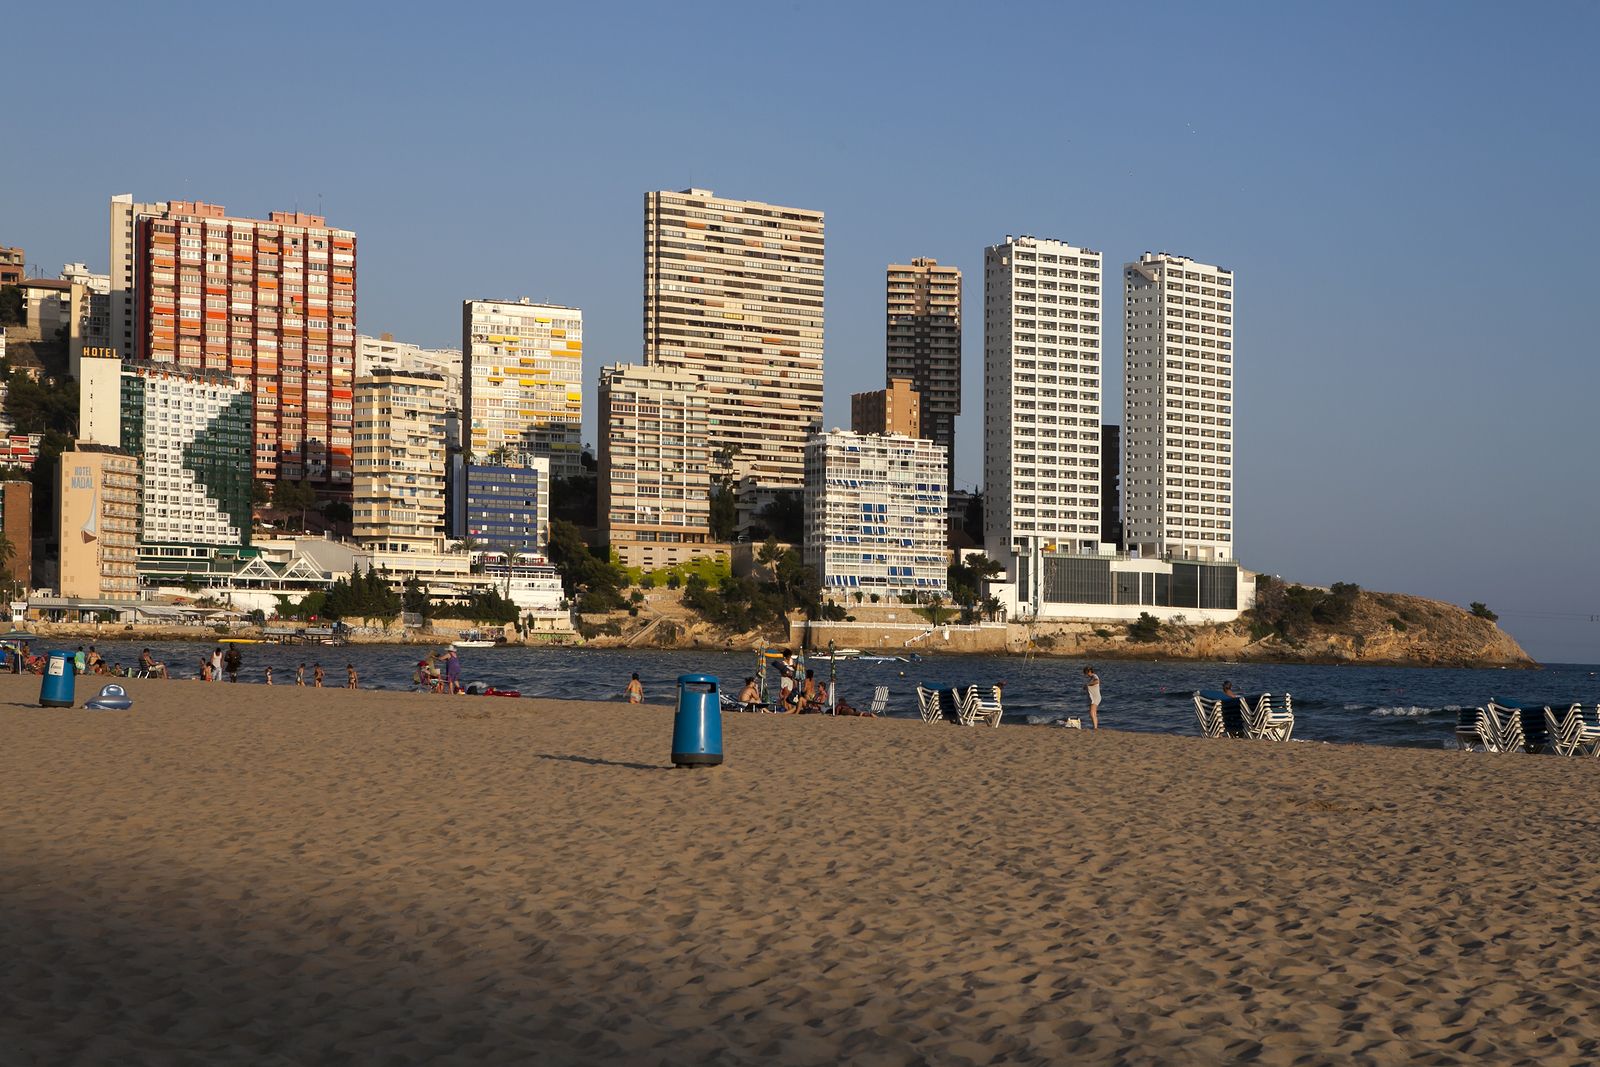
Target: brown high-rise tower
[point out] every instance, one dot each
(924, 343)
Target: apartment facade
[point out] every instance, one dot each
(923, 343)
(897, 409)
(16, 519)
(92, 337)
(655, 454)
(522, 381)
(271, 301)
(733, 293)
(192, 432)
(13, 265)
(97, 513)
(508, 506)
(1178, 435)
(1042, 347)
(398, 501)
(875, 513)
(385, 353)
(124, 270)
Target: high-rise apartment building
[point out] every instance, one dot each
(397, 503)
(97, 513)
(1177, 472)
(385, 353)
(897, 409)
(93, 334)
(875, 510)
(522, 381)
(924, 343)
(733, 293)
(508, 507)
(271, 301)
(124, 273)
(654, 504)
(1041, 400)
(16, 519)
(192, 432)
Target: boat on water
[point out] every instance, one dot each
(473, 639)
(882, 659)
(838, 653)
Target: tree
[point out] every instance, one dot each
(290, 496)
(1482, 611)
(13, 310)
(784, 517)
(414, 598)
(724, 515)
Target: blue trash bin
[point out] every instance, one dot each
(697, 728)
(55, 689)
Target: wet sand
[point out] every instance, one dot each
(284, 876)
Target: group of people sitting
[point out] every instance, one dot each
(797, 694)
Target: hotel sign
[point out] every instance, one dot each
(100, 353)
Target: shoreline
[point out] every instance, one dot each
(114, 632)
(300, 874)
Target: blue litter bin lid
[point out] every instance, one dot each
(703, 679)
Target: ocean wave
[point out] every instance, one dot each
(1045, 719)
(1402, 712)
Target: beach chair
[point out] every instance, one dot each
(1265, 724)
(1508, 726)
(1209, 713)
(880, 701)
(1474, 731)
(928, 704)
(967, 706)
(1570, 735)
(989, 711)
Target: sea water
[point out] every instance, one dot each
(1364, 705)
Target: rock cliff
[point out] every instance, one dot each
(1381, 629)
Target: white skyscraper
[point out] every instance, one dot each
(1177, 436)
(1041, 404)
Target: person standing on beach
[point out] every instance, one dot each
(316, 676)
(232, 662)
(1091, 685)
(216, 664)
(452, 672)
(269, 675)
(300, 675)
(635, 690)
(351, 681)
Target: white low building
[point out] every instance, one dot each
(875, 509)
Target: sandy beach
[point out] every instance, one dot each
(238, 874)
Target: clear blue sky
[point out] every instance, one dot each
(1406, 192)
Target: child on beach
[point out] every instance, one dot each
(316, 676)
(1091, 686)
(269, 675)
(635, 690)
(300, 675)
(350, 676)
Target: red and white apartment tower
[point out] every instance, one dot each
(270, 301)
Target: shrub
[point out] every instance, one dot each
(1103, 634)
(1482, 611)
(1147, 628)
(1398, 624)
